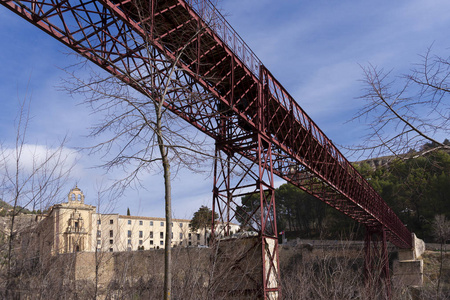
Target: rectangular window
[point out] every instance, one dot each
(99, 221)
(111, 234)
(99, 233)
(161, 243)
(129, 222)
(151, 242)
(76, 224)
(161, 235)
(171, 235)
(111, 242)
(162, 223)
(151, 234)
(141, 234)
(129, 233)
(141, 222)
(151, 223)
(110, 249)
(198, 236)
(181, 236)
(140, 242)
(190, 243)
(190, 236)
(111, 221)
(129, 242)
(181, 224)
(99, 242)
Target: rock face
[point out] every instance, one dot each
(378, 162)
(21, 223)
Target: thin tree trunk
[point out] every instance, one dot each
(96, 273)
(19, 145)
(440, 271)
(168, 239)
(10, 247)
(168, 205)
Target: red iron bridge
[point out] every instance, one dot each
(216, 83)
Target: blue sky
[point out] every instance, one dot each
(314, 48)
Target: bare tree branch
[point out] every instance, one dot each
(405, 113)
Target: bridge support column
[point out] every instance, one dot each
(377, 263)
(408, 269)
(234, 177)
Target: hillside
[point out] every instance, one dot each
(384, 161)
(6, 208)
(377, 162)
(4, 205)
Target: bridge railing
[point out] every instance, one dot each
(217, 22)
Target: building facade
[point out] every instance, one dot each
(75, 226)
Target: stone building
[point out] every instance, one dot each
(75, 226)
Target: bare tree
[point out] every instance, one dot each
(31, 176)
(406, 112)
(137, 131)
(331, 270)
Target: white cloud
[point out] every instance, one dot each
(30, 158)
(33, 175)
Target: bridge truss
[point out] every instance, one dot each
(222, 89)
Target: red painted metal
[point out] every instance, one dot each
(236, 176)
(222, 89)
(377, 262)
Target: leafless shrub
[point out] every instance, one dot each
(31, 177)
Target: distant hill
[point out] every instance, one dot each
(384, 161)
(5, 207)
(377, 162)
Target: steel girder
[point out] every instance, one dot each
(377, 262)
(244, 167)
(217, 76)
(235, 176)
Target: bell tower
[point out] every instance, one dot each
(75, 223)
(76, 196)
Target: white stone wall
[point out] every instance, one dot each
(150, 233)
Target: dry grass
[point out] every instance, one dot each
(307, 273)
